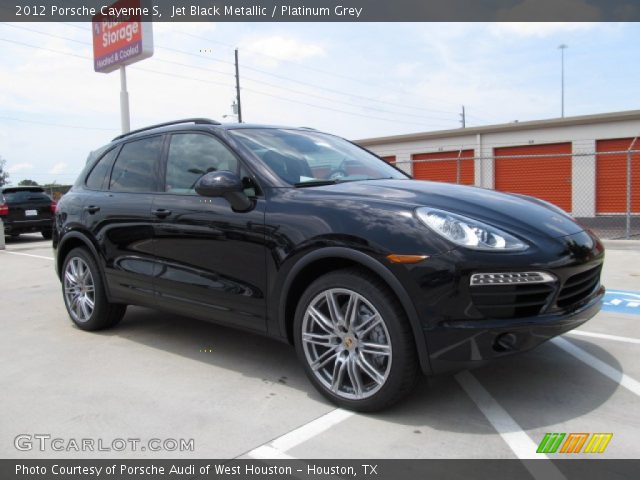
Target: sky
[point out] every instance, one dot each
(357, 80)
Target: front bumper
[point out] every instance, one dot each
(471, 343)
(465, 325)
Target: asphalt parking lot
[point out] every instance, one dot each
(240, 395)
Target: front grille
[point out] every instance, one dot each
(511, 301)
(577, 287)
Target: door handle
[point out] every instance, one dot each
(161, 212)
(92, 209)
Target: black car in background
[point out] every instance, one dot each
(308, 238)
(26, 210)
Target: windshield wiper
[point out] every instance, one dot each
(317, 183)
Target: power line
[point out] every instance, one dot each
(49, 124)
(326, 72)
(220, 83)
(289, 79)
(171, 62)
(273, 57)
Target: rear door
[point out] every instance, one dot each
(118, 214)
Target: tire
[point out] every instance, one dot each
(77, 287)
(348, 371)
(47, 234)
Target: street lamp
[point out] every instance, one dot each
(562, 48)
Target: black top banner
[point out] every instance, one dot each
(322, 10)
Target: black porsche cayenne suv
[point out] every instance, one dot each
(308, 238)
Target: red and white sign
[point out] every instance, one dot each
(120, 39)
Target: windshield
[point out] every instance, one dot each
(303, 157)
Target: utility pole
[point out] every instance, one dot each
(562, 48)
(463, 118)
(238, 89)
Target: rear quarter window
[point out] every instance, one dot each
(99, 175)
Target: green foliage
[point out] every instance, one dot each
(28, 183)
(4, 175)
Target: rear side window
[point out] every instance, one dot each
(136, 169)
(191, 155)
(97, 179)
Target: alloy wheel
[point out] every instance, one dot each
(346, 343)
(79, 289)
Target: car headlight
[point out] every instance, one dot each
(467, 232)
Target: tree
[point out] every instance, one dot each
(4, 175)
(28, 183)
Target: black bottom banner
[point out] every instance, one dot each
(579, 469)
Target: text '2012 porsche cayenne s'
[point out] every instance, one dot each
(308, 238)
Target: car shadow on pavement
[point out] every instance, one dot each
(542, 387)
(25, 239)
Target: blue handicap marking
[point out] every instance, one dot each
(622, 301)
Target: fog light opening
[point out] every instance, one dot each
(505, 342)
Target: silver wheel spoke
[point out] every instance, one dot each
(338, 372)
(375, 348)
(322, 321)
(88, 302)
(354, 376)
(324, 359)
(334, 310)
(351, 311)
(68, 276)
(369, 369)
(84, 308)
(75, 305)
(320, 339)
(368, 324)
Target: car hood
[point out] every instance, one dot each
(517, 213)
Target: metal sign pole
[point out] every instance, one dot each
(1, 235)
(124, 101)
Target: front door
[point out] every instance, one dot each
(211, 260)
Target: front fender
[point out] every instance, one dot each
(370, 263)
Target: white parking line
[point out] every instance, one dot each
(604, 336)
(597, 364)
(299, 435)
(265, 452)
(516, 439)
(509, 430)
(26, 255)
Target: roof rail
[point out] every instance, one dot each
(197, 121)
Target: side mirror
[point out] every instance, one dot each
(224, 184)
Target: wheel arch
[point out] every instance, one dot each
(75, 239)
(325, 260)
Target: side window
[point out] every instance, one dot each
(191, 155)
(137, 166)
(100, 172)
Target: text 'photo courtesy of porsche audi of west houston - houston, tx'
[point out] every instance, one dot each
(308, 238)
